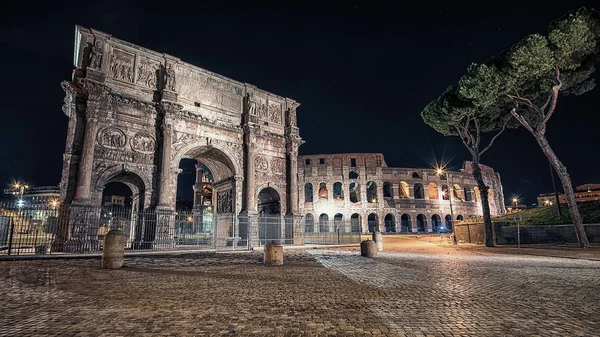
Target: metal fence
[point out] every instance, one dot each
(331, 232)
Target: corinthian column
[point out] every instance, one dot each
(249, 179)
(293, 182)
(84, 181)
(165, 171)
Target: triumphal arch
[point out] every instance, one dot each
(134, 114)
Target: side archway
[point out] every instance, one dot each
(390, 223)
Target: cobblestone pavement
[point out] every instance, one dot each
(338, 294)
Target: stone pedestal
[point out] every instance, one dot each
(378, 238)
(164, 229)
(84, 227)
(113, 252)
(273, 255)
(368, 248)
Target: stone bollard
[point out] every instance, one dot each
(113, 251)
(368, 248)
(378, 240)
(273, 254)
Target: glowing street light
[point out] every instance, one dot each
(439, 171)
(516, 201)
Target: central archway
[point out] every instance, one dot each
(269, 219)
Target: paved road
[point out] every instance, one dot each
(316, 293)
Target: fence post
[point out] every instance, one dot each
(10, 236)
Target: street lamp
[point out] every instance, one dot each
(20, 187)
(439, 171)
(516, 201)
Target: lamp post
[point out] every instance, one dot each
(516, 201)
(20, 187)
(439, 171)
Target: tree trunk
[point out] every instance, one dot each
(485, 204)
(561, 170)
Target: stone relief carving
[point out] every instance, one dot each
(111, 138)
(292, 117)
(116, 99)
(261, 164)
(121, 66)
(170, 78)
(143, 142)
(225, 201)
(277, 165)
(114, 155)
(147, 73)
(275, 113)
(261, 107)
(209, 91)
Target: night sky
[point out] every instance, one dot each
(363, 72)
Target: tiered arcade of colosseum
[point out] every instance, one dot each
(359, 191)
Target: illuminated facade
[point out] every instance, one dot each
(360, 190)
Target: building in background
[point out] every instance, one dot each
(36, 197)
(583, 193)
(360, 190)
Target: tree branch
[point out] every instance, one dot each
(465, 141)
(496, 136)
(478, 137)
(521, 120)
(555, 89)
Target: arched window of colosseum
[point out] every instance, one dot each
(476, 194)
(338, 221)
(404, 193)
(445, 194)
(416, 175)
(323, 191)
(448, 221)
(387, 190)
(458, 194)
(436, 222)
(308, 192)
(491, 197)
(354, 191)
(323, 223)
(371, 191)
(355, 223)
(372, 221)
(309, 223)
(390, 223)
(421, 223)
(459, 217)
(432, 191)
(353, 175)
(419, 192)
(468, 196)
(405, 223)
(338, 192)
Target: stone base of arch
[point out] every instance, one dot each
(83, 229)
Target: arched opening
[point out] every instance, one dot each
(338, 221)
(467, 193)
(445, 193)
(432, 191)
(323, 223)
(356, 223)
(123, 196)
(309, 223)
(458, 192)
(323, 193)
(372, 221)
(390, 223)
(387, 190)
(448, 221)
(459, 217)
(491, 198)
(308, 192)
(354, 191)
(436, 223)
(338, 192)
(352, 175)
(421, 223)
(476, 194)
(405, 223)
(269, 219)
(117, 209)
(403, 189)
(419, 193)
(371, 192)
(416, 175)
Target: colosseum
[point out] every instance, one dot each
(360, 191)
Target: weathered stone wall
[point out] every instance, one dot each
(397, 199)
(544, 234)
